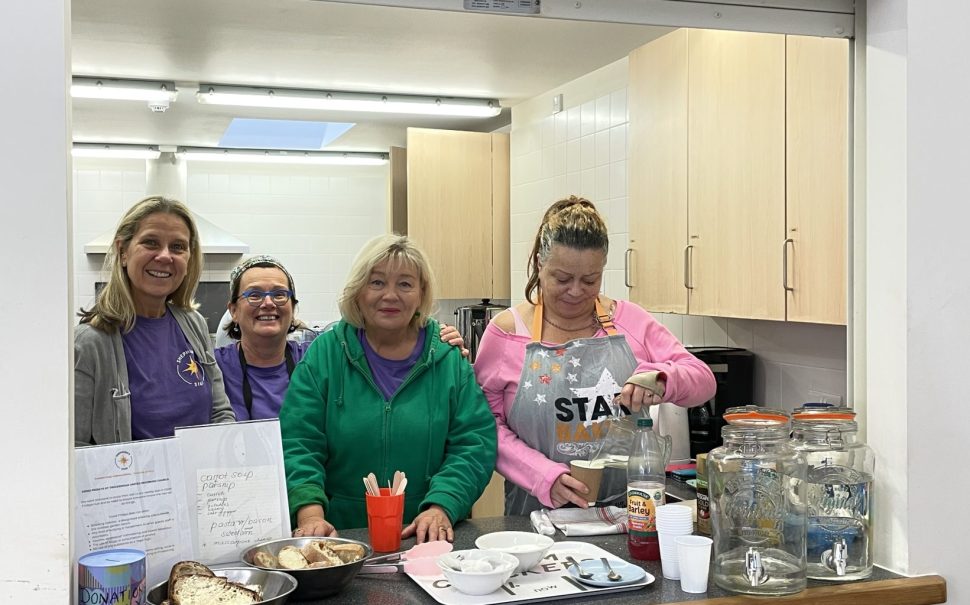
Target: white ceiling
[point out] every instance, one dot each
(321, 45)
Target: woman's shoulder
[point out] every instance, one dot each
(506, 320)
(86, 334)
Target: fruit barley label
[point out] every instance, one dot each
(641, 507)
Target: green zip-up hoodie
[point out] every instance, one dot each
(337, 427)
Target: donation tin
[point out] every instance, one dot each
(113, 576)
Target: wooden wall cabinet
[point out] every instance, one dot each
(458, 209)
(739, 175)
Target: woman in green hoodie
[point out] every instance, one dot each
(379, 393)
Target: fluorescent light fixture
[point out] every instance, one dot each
(124, 90)
(291, 98)
(283, 156)
(112, 150)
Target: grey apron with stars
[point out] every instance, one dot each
(563, 402)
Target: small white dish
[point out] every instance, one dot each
(477, 582)
(528, 547)
(631, 573)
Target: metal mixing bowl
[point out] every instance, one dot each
(317, 582)
(274, 586)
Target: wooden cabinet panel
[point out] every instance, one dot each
(501, 202)
(817, 177)
(736, 180)
(458, 209)
(657, 160)
(397, 191)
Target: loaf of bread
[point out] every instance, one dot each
(264, 559)
(210, 590)
(290, 557)
(191, 583)
(318, 554)
(348, 553)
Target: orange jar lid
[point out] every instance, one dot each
(753, 415)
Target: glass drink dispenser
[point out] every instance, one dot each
(757, 489)
(840, 472)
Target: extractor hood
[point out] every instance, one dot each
(214, 240)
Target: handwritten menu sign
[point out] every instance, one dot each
(237, 508)
(235, 479)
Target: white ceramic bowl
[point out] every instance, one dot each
(527, 547)
(478, 582)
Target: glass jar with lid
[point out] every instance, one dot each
(839, 476)
(756, 484)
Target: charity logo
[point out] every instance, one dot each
(189, 369)
(123, 460)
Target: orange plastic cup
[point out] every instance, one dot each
(385, 519)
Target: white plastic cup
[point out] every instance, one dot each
(694, 562)
(668, 555)
(674, 512)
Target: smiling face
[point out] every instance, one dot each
(265, 321)
(570, 280)
(156, 261)
(390, 298)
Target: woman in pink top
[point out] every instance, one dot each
(552, 366)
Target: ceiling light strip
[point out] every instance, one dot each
(115, 151)
(290, 98)
(123, 90)
(283, 156)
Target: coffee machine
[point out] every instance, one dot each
(471, 321)
(733, 370)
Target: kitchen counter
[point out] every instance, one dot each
(883, 588)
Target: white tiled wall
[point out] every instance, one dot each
(313, 219)
(582, 151)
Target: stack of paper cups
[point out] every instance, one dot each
(672, 520)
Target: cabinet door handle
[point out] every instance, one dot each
(626, 268)
(784, 264)
(688, 262)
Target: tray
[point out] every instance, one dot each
(548, 580)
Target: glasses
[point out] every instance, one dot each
(256, 297)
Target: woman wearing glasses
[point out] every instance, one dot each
(257, 369)
(143, 362)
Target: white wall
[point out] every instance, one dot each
(582, 151)
(36, 433)
(314, 219)
(917, 133)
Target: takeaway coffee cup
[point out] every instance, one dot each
(590, 473)
(385, 518)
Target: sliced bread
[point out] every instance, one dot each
(210, 590)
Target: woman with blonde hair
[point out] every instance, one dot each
(143, 361)
(378, 393)
(552, 366)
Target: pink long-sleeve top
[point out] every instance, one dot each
(498, 367)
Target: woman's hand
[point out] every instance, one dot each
(450, 335)
(634, 396)
(433, 524)
(310, 522)
(568, 489)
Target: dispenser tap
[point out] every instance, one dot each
(837, 558)
(754, 569)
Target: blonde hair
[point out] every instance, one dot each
(399, 251)
(573, 222)
(114, 307)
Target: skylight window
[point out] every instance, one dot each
(282, 134)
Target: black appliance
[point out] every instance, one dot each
(734, 373)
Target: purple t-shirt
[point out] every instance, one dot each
(390, 373)
(268, 384)
(168, 384)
